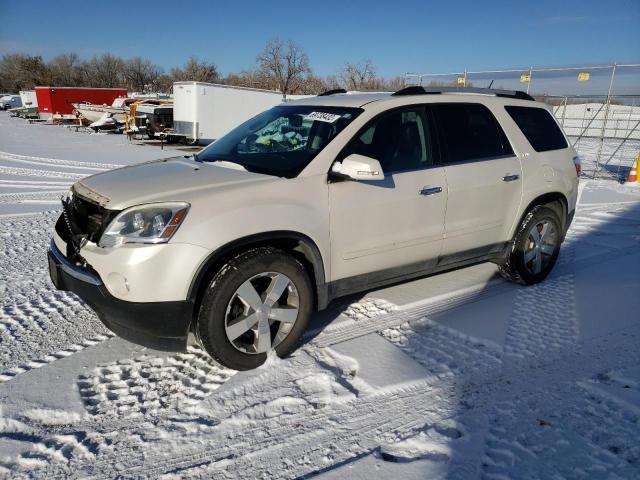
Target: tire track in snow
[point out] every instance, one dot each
(58, 161)
(447, 353)
(589, 436)
(346, 429)
(38, 324)
(74, 165)
(543, 322)
(148, 385)
(52, 196)
(353, 329)
(35, 184)
(30, 172)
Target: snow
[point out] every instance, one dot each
(459, 375)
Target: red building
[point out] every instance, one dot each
(59, 100)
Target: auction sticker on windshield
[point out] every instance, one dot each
(323, 116)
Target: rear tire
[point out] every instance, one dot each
(239, 328)
(535, 249)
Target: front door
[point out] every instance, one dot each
(389, 228)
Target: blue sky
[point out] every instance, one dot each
(399, 36)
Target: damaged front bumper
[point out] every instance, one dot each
(158, 325)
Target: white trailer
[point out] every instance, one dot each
(29, 98)
(203, 112)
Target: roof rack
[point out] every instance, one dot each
(419, 90)
(332, 92)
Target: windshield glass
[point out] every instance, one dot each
(281, 141)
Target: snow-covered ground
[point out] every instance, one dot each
(459, 375)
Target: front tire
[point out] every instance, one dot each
(535, 249)
(259, 301)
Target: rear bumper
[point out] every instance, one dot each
(157, 325)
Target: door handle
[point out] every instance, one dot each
(510, 178)
(430, 190)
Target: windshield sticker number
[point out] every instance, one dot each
(323, 117)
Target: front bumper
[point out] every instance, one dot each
(158, 325)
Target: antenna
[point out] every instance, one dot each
(491, 83)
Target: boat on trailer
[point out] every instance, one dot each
(92, 112)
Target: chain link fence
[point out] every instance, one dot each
(598, 106)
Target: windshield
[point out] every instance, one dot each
(281, 141)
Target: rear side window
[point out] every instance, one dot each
(539, 127)
(469, 131)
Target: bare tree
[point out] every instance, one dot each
(313, 85)
(141, 74)
(104, 71)
(197, 71)
(19, 72)
(284, 65)
(65, 70)
(394, 83)
(358, 76)
(246, 78)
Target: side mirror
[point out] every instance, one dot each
(358, 167)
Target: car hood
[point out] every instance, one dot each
(170, 179)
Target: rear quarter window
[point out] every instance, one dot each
(539, 127)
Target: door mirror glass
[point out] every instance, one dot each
(359, 167)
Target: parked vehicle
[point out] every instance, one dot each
(29, 98)
(60, 100)
(10, 101)
(154, 119)
(29, 108)
(204, 112)
(93, 113)
(312, 200)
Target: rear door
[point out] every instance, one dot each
(483, 177)
(393, 227)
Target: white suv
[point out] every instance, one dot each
(312, 200)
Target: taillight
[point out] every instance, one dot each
(578, 164)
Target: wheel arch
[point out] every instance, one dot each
(298, 244)
(556, 201)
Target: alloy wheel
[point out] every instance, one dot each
(541, 244)
(262, 312)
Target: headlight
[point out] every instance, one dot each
(151, 223)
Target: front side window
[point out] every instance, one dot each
(282, 140)
(400, 140)
(469, 131)
(539, 127)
